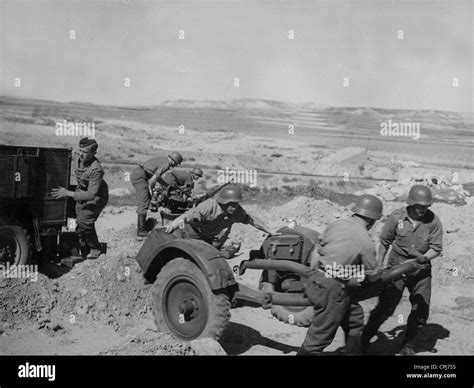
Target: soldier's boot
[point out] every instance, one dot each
(141, 231)
(369, 331)
(406, 350)
(353, 345)
(94, 254)
(93, 242)
(83, 247)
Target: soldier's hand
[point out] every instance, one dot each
(169, 228)
(422, 260)
(59, 192)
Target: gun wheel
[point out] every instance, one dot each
(185, 305)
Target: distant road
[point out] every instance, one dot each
(263, 172)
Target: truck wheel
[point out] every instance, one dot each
(15, 245)
(185, 305)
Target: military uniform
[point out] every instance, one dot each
(405, 236)
(210, 223)
(91, 196)
(181, 179)
(140, 176)
(345, 242)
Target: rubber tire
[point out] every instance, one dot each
(218, 304)
(23, 243)
(301, 318)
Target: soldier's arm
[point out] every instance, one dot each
(158, 173)
(387, 235)
(369, 259)
(195, 214)
(93, 188)
(435, 244)
(258, 223)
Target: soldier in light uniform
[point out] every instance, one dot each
(344, 243)
(414, 232)
(91, 196)
(212, 219)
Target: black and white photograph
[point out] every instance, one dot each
(237, 178)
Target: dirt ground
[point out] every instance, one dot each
(103, 306)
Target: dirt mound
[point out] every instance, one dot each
(443, 189)
(27, 301)
(109, 290)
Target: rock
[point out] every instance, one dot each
(121, 275)
(54, 326)
(452, 230)
(207, 346)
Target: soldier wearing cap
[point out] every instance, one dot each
(344, 243)
(91, 196)
(144, 178)
(414, 232)
(212, 219)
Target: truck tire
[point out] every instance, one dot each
(15, 245)
(185, 305)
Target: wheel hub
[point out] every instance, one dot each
(185, 307)
(188, 307)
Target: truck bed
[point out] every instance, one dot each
(28, 174)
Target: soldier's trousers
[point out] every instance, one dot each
(332, 308)
(419, 286)
(140, 183)
(86, 216)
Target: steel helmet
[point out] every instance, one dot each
(368, 206)
(231, 193)
(176, 157)
(197, 171)
(420, 195)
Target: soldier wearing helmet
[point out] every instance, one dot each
(212, 219)
(413, 232)
(183, 179)
(91, 196)
(344, 243)
(144, 178)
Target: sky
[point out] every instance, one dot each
(139, 40)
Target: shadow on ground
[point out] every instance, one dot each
(240, 338)
(390, 342)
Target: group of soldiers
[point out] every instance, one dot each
(412, 232)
